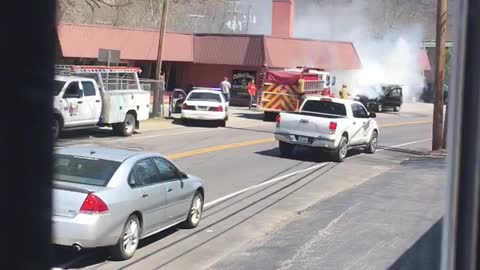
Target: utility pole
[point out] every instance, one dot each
(158, 75)
(441, 37)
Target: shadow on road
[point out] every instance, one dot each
(423, 254)
(306, 154)
(251, 115)
(64, 257)
(195, 123)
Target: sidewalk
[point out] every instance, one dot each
(374, 226)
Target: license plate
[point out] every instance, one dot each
(302, 139)
(202, 108)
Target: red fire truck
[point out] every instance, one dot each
(284, 90)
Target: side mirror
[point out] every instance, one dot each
(183, 175)
(373, 115)
(334, 80)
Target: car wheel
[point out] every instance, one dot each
(286, 149)
(128, 242)
(195, 212)
(372, 144)
(396, 108)
(55, 128)
(340, 153)
(222, 123)
(379, 107)
(127, 127)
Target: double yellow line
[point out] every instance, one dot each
(261, 141)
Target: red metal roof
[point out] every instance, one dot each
(424, 61)
(83, 41)
(244, 50)
(288, 52)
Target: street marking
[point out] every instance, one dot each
(219, 148)
(406, 124)
(226, 197)
(236, 193)
(260, 141)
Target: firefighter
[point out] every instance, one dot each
(344, 92)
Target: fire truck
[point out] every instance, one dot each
(285, 90)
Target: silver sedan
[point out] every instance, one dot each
(112, 197)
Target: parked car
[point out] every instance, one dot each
(327, 124)
(112, 197)
(382, 97)
(90, 96)
(205, 104)
(428, 95)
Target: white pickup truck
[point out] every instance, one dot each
(330, 124)
(89, 96)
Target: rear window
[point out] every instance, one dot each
(324, 107)
(205, 97)
(82, 170)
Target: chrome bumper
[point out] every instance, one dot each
(320, 142)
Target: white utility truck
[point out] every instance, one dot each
(89, 96)
(330, 124)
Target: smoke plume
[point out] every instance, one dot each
(389, 52)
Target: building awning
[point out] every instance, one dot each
(238, 50)
(424, 61)
(84, 41)
(328, 55)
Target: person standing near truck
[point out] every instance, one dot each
(252, 90)
(225, 86)
(344, 92)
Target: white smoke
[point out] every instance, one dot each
(387, 56)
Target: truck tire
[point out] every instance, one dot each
(286, 149)
(56, 128)
(372, 144)
(340, 153)
(127, 127)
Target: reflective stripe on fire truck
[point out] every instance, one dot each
(280, 97)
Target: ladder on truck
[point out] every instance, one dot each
(108, 78)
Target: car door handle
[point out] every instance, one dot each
(98, 100)
(169, 189)
(354, 123)
(80, 102)
(144, 195)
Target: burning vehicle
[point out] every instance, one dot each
(379, 98)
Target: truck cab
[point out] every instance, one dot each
(77, 100)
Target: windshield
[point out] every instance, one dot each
(204, 96)
(324, 107)
(57, 87)
(81, 170)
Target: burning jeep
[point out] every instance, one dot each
(379, 98)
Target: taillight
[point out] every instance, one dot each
(93, 205)
(332, 127)
(184, 106)
(220, 108)
(278, 119)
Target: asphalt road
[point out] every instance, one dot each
(251, 192)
